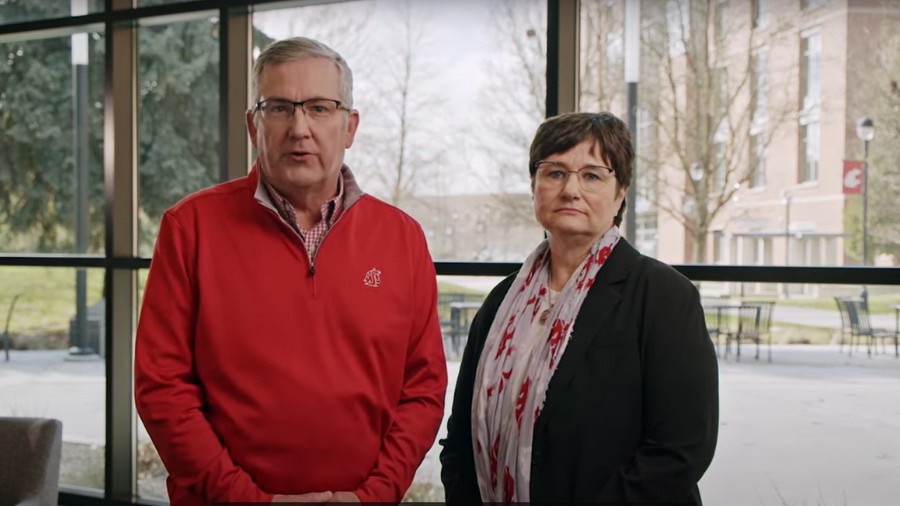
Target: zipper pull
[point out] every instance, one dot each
(312, 270)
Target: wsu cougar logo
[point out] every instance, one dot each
(373, 278)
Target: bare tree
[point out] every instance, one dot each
(404, 141)
(602, 79)
(399, 143)
(705, 109)
(884, 158)
(513, 103)
(345, 30)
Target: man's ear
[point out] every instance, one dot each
(251, 126)
(352, 125)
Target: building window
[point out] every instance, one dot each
(759, 13)
(721, 21)
(811, 48)
(646, 233)
(810, 54)
(679, 26)
(809, 151)
(756, 251)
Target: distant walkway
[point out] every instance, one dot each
(826, 318)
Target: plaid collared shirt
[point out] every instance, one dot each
(312, 237)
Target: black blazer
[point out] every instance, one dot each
(631, 413)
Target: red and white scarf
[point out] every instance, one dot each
(519, 357)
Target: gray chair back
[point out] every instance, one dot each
(30, 451)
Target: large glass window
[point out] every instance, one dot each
(450, 95)
(709, 129)
(51, 144)
(51, 363)
(178, 116)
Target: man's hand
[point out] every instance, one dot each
(344, 497)
(313, 497)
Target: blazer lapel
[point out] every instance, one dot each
(600, 303)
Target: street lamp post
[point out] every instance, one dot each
(79, 342)
(865, 131)
(632, 74)
(786, 200)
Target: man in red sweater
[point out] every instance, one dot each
(289, 347)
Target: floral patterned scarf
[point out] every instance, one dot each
(519, 358)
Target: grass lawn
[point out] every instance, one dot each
(444, 287)
(878, 304)
(46, 298)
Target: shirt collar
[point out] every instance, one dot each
(329, 210)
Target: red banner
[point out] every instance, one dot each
(853, 173)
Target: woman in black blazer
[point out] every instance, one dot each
(588, 375)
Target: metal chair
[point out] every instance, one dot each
(716, 326)
(30, 450)
(847, 327)
(861, 326)
(754, 321)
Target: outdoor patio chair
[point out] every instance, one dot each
(847, 328)
(716, 321)
(754, 321)
(861, 326)
(30, 451)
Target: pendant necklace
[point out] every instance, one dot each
(551, 298)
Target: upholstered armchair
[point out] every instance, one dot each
(29, 461)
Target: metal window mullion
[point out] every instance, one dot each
(234, 91)
(120, 189)
(562, 56)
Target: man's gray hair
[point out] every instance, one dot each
(300, 48)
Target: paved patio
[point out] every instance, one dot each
(814, 427)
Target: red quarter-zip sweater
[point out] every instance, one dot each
(255, 375)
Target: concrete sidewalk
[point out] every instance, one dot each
(813, 427)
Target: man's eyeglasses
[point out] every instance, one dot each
(279, 109)
(590, 177)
